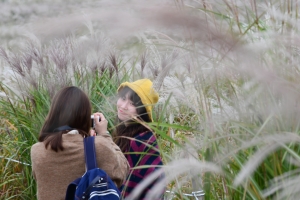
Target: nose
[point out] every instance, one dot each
(124, 105)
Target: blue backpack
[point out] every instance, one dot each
(95, 184)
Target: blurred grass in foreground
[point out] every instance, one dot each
(228, 77)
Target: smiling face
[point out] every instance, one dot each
(126, 108)
(130, 105)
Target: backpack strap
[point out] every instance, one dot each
(91, 163)
(89, 153)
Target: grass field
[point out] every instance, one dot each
(227, 73)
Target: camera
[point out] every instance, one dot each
(92, 121)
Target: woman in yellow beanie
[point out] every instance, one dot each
(134, 106)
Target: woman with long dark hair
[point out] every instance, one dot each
(137, 141)
(58, 157)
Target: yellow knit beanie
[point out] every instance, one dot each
(143, 88)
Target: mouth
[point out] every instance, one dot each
(121, 111)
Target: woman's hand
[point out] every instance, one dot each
(100, 126)
(92, 132)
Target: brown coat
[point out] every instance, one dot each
(54, 171)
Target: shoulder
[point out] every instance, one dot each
(37, 152)
(105, 143)
(103, 140)
(37, 147)
(146, 137)
(142, 140)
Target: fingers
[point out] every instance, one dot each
(98, 116)
(100, 126)
(92, 132)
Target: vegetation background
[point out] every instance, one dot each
(227, 72)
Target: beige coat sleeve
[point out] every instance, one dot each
(111, 159)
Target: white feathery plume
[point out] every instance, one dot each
(173, 170)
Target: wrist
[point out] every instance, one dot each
(104, 133)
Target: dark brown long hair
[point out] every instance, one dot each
(132, 128)
(70, 106)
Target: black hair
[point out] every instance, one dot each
(132, 127)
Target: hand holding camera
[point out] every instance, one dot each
(92, 121)
(99, 124)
